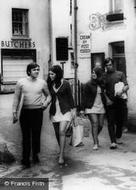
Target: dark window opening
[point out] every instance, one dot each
(20, 22)
(115, 16)
(97, 58)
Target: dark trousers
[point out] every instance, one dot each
(116, 116)
(31, 123)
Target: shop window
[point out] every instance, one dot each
(20, 22)
(116, 11)
(118, 55)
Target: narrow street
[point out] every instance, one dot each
(104, 169)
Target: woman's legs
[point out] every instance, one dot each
(94, 121)
(62, 131)
(56, 129)
(100, 122)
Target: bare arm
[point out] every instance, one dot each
(47, 95)
(16, 102)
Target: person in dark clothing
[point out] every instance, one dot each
(62, 104)
(116, 88)
(94, 102)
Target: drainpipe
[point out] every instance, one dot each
(50, 34)
(75, 53)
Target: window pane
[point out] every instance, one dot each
(17, 16)
(118, 55)
(25, 17)
(120, 64)
(118, 48)
(118, 5)
(17, 29)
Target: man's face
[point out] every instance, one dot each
(34, 72)
(109, 66)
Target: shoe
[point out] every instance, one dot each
(61, 161)
(36, 159)
(61, 164)
(119, 141)
(125, 130)
(80, 144)
(95, 147)
(113, 146)
(25, 164)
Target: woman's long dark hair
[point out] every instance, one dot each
(100, 76)
(59, 75)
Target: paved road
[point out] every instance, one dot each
(104, 169)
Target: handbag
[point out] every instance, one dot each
(78, 132)
(84, 121)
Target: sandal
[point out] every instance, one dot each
(63, 164)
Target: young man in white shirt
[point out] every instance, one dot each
(31, 90)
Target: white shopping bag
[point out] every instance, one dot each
(118, 87)
(77, 136)
(84, 121)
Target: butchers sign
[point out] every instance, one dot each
(18, 44)
(85, 45)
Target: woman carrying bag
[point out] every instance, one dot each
(62, 104)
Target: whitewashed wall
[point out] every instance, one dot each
(131, 59)
(60, 28)
(38, 26)
(100, 38)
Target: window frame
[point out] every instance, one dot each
(119, 55)
(23, 22)
(115, 15)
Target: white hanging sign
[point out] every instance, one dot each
(85, 45)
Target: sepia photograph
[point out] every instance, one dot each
(68, 94)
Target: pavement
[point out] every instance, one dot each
(104, 169)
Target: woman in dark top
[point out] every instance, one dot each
(61, 105)
(94, 102)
